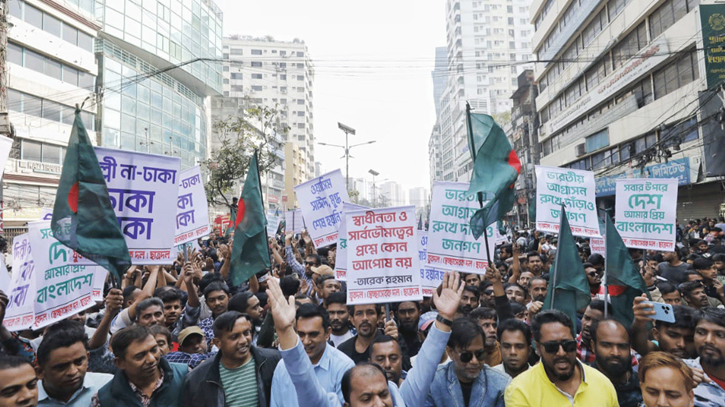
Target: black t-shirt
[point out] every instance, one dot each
(466, 390)
(676, 275)
(348, 348)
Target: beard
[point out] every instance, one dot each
(408, 327)
(561, 376)
(615, 366)
(710, 355)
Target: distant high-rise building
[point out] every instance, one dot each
(277, 74)
(488, 46)
(390, 193)
(440, 76)
(419, 197)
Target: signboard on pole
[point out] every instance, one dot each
(21, 293)
(646, 213)
(321, 201)
(576, 190)
(192, 211)
(451, 245)
(341, 253)
(143, 189)
(382, 262)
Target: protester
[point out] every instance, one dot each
(407, 315)
(515, 339)
(240, 374)
(18, 383)
(665, 381)
(486, 319)
(710, 345)
(365, 318)
(611, 344)
(593, 312)
(339, 318)
(559, 379)
(469, 299)
(385, 352)
(675, 338)
(63, 367)
(163, 338)
(673, 268)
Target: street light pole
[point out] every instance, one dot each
(348, 130)
(374, 174)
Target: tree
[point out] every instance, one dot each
(238, 138)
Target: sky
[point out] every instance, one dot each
(373, 63)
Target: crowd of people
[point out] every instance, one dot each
(184, 335)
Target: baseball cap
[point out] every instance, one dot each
(323, 270)
(426, 320)
(186, 332)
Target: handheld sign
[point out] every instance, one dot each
(573, 188)
(321, 202)
(192, 210)
(646, 213)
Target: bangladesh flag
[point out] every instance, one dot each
(83, 217)
(622, 277)
(568, 285)
(495, 169)
(250, 253)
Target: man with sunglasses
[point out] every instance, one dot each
(560, 379)
(467, 381)
(594, 277)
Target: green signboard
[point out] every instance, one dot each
(713, 37)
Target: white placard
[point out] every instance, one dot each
(273, 219)
(341, 253)
(451, 245)
(293, 221)
(382, 261)
(46, 214)
(576, 190)
(192, 210)
(596, 245)
(321, 201)
(430, 278)
(19, 313)
(99, 282)
(646, 213)
(144, 191)
(64, 287)
(4, 275)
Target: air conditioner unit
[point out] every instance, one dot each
(581, 149)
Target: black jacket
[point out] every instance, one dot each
(203, 385)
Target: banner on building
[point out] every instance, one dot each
(19, 314)
(573, 188)
(321, 202)
(341, 253)
(451, 245)
(646, 213)
(192, 210)
(64, 287)
(712, 17)
(144, 189)
(382, 261)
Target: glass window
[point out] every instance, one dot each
(70, 75)
(128, 123)
(111, 137)
(111, 118)
(30, 150)
(86, 80)
(32, 105)
(51, 154)
(128, 142)
(51, 110)
(16, 8)
(128, 105)
(34, 61)
(33, 16)
(51, 24)
(52, 68)
(85, 41)
(68, 114)
(15, 101)
(70, 34)
(15, 53)
(89, 121)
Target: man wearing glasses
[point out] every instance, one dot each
(467, 381)
(560, 379)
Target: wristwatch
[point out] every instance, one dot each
(443, 320)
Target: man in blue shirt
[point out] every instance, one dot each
(329, 364)
(63, 363)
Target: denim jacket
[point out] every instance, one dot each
(488, 390)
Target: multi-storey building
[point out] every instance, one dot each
(524, 140)
(390, 193)
(488, 46)
(419, 197)
(279, 75)
(295, 172)
(51, 68)
(619, 82)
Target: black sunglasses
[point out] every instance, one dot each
(468, 356)
(553, 347)
(310, 263)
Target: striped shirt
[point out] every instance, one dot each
(240, 385)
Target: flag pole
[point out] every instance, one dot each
(556, 261)
(604, 277)
(259, 181)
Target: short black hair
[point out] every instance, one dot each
(599, 305)
(473, 289)
(595, 259)
(63, 334)
(533, 254)
(12, 362)
(121, 340)
(148, 302)
(532, 279)
(161, 330)
(514, 324)
(507, 285)
(313, 311)
(595, 326)
(666, 287)
(701, 264)
(517, 308)
(128, 292)
(169, 294)
(320, 280)
(378, 308)
(384, 339)
(289, 285)
(710, 314)
(336, 298)
(216, 286)
(240, 301)
(689, 287)
(318, 260)
(684, 318)
(548, 317)
(209, 278)
(464, 331)
(345, 385)
(480, 313)
(226, 321)
(718, 257)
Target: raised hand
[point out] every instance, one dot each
(114, 301)
(450, 295)
(283, 313)
(642, 312)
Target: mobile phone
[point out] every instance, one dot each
(663, 312)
